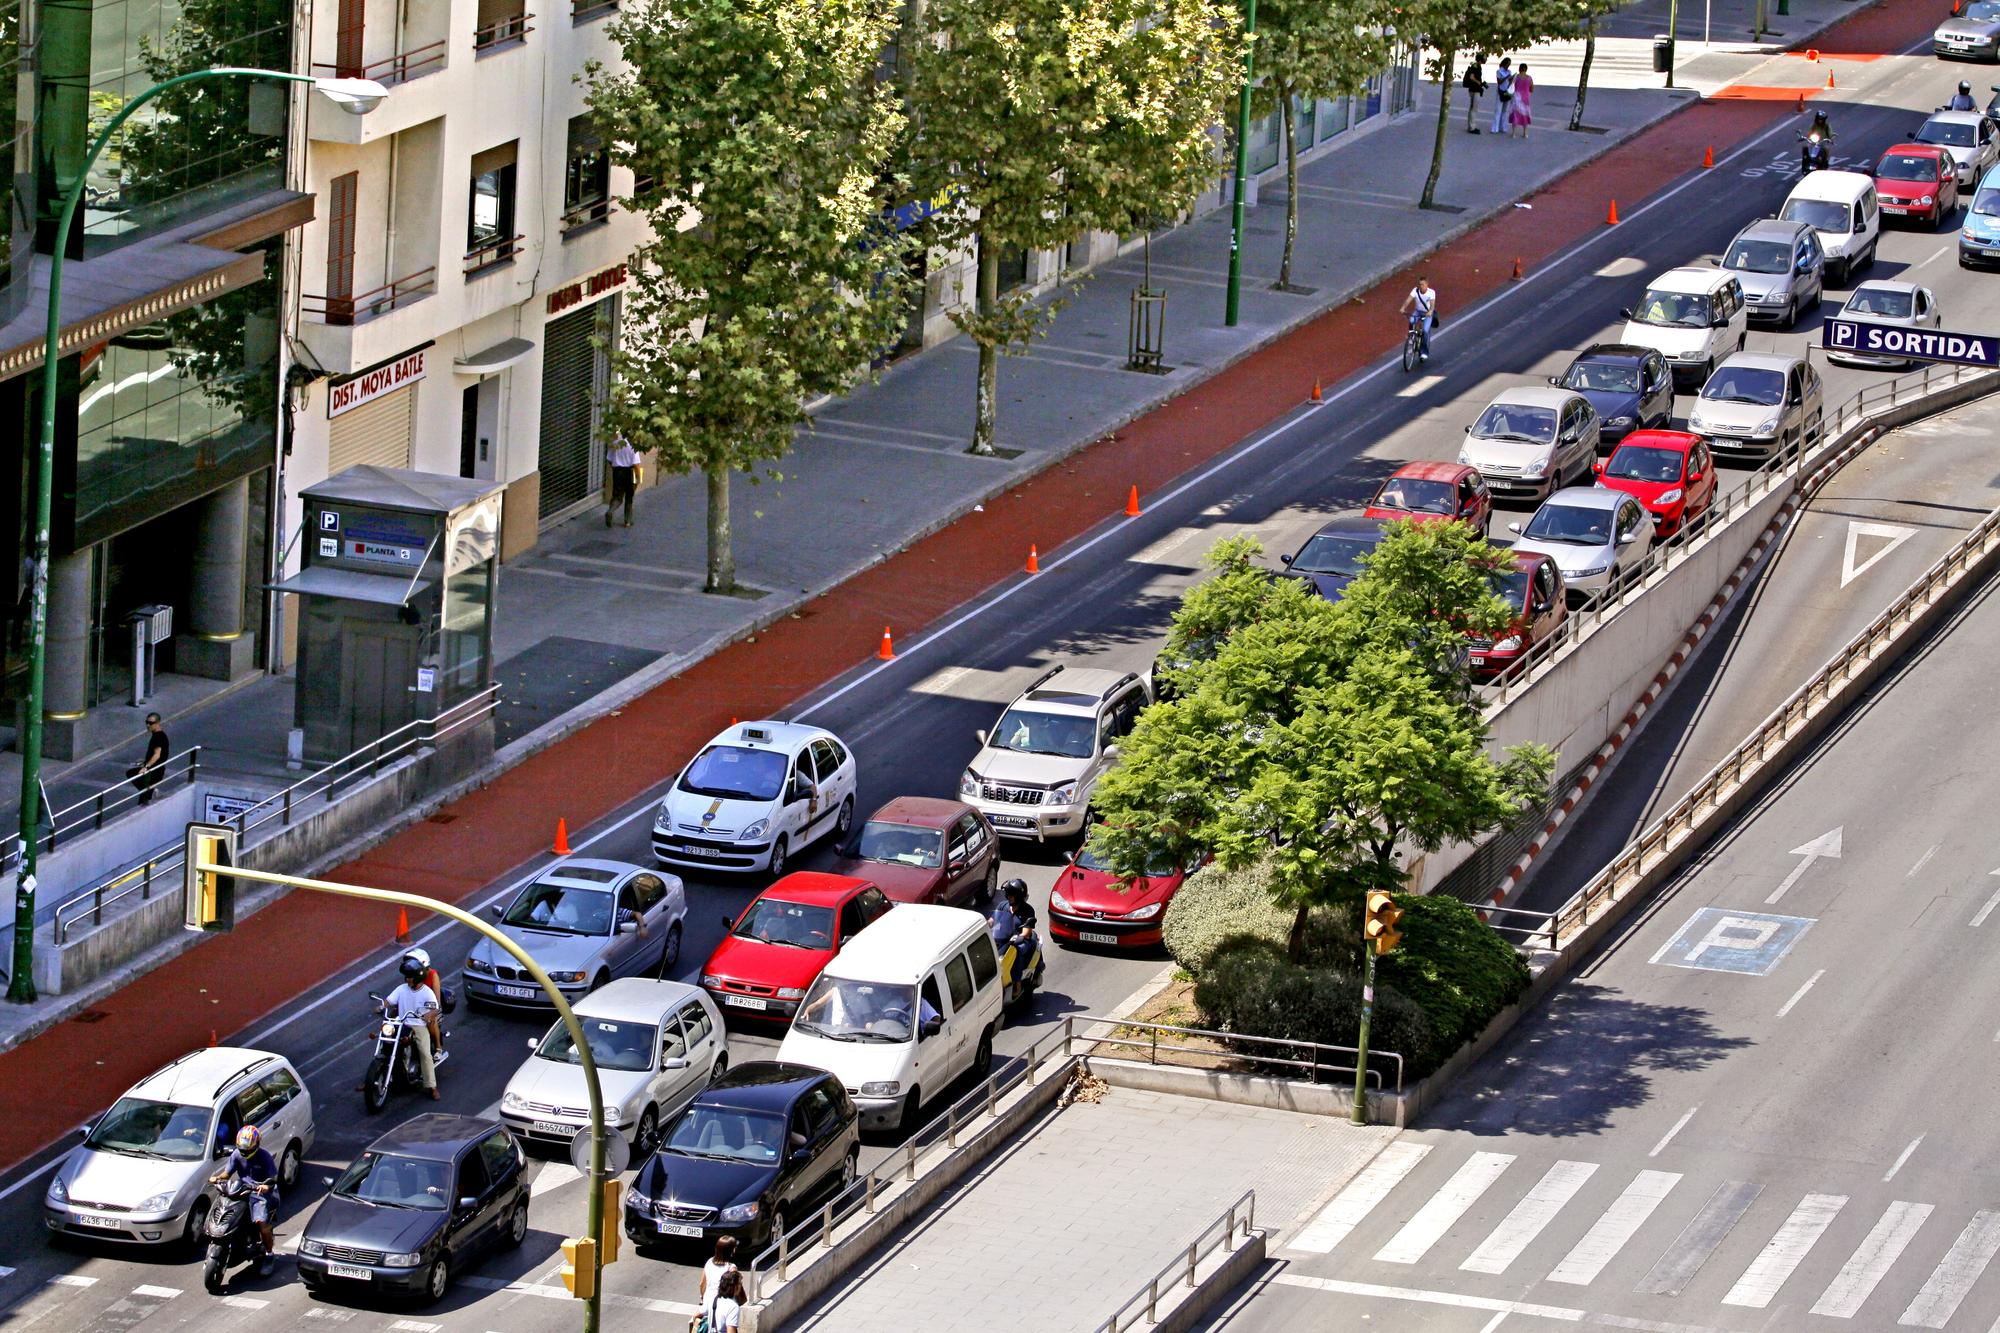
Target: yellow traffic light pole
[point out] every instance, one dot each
(1378, 936)
(203, 875)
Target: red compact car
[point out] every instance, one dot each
(1534, 588)
(1089, 904)
(784, 938)
(922, 850)
(1425, 491)
(1917, 180)
(1668, 471)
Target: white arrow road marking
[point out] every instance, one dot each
(1827, 845)
(1894, 533)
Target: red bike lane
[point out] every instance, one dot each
(224, 985)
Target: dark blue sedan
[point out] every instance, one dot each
(1631, 387)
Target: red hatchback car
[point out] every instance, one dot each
(1425, 491)
(784, 939)
(1089, 904)
(1917, 180)
(922, 850)
(1668, 471)
(1535, 590)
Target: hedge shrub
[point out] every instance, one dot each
(1249, 988)
(1217, 908)
(1454, 966)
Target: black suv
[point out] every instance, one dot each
(418, 1205)
(761, 1143)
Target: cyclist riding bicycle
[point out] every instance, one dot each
(1421, 306)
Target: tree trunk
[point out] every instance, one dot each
(1290, 131)
(721, 550)
(989, 354)
(1583, 78)
(1448, 60)
(1295, 945)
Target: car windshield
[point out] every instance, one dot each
(1987, 203)
(1907, 167)
(1572, 524)
(905, 844)
(1986, 10)
(1952, 133)
(394, 1181)
(1635, 462)
(737, 774)
(1745, 384)
(841, 1009)
(1759, 256)
(562, 908)
(1819, 214)
(1602, 377)
(144, 1128)
(1159, 864)
(729, 1133)
(1418, 495)
(1515, 421)
(1033, 731)
(1885, 301)
(775, 921)
(1679, 310)
(1335, 553)
(1511, 587)
(614, 1045)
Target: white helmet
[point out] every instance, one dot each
(422, 959)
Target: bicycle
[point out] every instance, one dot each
(1413, 342)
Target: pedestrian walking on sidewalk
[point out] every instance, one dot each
(624, 462)
(1475, 84)
(727, 1314)
(1503, 88)
(1523, 114)
(147, 773)
(721, 1263)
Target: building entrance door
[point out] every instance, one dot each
(378, 684)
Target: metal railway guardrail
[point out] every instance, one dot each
(1219, 1234)
(163, 867)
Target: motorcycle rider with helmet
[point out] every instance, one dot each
(250, 1160)
(1013, 927)
(431, 978)
(415, 1006)
(1963, 101)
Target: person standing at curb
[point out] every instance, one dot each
(1475, 84)
(1503, 89)
(1524, 93)
(624, 462)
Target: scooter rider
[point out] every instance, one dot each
(249, 1160)
(1963, 101)
(415, 1006)
(1009, 928)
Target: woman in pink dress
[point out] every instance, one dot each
(1522, 114)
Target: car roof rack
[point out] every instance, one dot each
(258, 1063)
(1038, 681)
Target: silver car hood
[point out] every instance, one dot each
(1979, 29)
(554, 950)
(1569, 556)
(121, 1181)
(1732, 418)
(1759, 286)
(1484, 453)
(1015, 768)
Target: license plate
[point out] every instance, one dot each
(679, 1229)
(746, 1002)
(1895, 208)
(349, 1270)
(1096, 937)
(518, 992)
(553, 1127)
(98, 1220)
(1726, 442)
(706, 853)
(1012, 821)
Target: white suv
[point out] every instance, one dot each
(755, 795)
(142, 1167)
(1034, 773)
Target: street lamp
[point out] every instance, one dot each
(355, 96)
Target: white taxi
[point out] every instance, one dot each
(754, 796)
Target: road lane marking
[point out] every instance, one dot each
(1618, 1224)
(1166, 549)
(553, 1176)
(1445, 1207)
(1871, 1260)
(1495, 1321)
(157, 1293)
(1420, 386)
(1979, 918)
(1902, 1159)
(245, 1302)
(72, 1280)
(1956, 1272)
(1800, 993)
(1895, 534)
(1922, 861)
(1556, 1188)
(1785, 1251)
(1826, 844)
(417, 1326)
(1358, 1198)
(1679, 1125)
(342, 1316)
(1456, 1300)
(1677, 1267)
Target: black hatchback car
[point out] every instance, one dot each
(761, 1143)
(1332, 557)
(1631, 387)
(421, 1203)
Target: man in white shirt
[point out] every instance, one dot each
(624, 461)
(1423, 301)
(415, 1006)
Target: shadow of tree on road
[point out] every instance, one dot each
(1591, 1052)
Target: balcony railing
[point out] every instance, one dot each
(496, 251)
(398, 68)
(513, 28)
(584, 214)
(367, 305)
(581, 11)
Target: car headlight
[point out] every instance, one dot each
(1589, 572)
(1927, 201)
(740, 1212)
(566, 978)
(1063, 795)
(409, 1260)
(637, 1202)
(968, 784)
(754, 831)
(1623, 421)
(1697, 422)
(1146, 913)
(1668, 497)
(1538, 468)
(1058, 903)
(663, 819)
(159, 1203)
(1510, 644)
(1769, 426)
(791, 993)
(887, 1087)
(511, 1100)
(710, 980)
(479, 965)
(1465, 458)
(58, 1192)
(315, 1249)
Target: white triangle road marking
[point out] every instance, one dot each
(1894, 533)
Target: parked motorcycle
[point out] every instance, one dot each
(232, 1237)
(395, 1062)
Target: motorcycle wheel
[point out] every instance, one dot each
(211, 1273)
(375, 1086)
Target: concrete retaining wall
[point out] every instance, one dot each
(1185, 1307)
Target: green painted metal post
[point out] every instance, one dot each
(1242, 166)
(1673, 37)
(1360, 1116)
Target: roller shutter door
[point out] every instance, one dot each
(379, 432)
(569, 375)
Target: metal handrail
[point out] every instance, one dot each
(103, 802)
(165, 862)
(591, 210)
(1534, 926)
(393, 69)
(492, 252)
(511, 28)
(1182, 1267)
(1315, 1066)
(342, 310)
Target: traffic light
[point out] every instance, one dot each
(614, 1193)
(1379, 926)
(210, 898)
(579, 1270)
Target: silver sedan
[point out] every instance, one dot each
(1973, 35)
(583, 921)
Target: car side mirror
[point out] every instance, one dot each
(83, 1130)
(467, 1204)
(222, 1150)
(1628, 539)
(534, 1042)
(497, 911)
(326, 1181)
(674, 1062)
(1626, 312)
(1513, 527)
(955, 867)
(800, 1156)
(628, 926)
(980, 735)
(1111, 750)
(1284, 560)
(933, 1026)
(1598, 466)
(728, 923)
(1556, 381)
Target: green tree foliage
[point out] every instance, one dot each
(743, 312)
(1044, 120)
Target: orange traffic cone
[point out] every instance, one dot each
(1611, 218)
(211, 1038)
(562, 838)
(1812, 53)
(1829, 78)
(1708, 158)
(1034, 562)
(1132, 504)
(1517, 268)
(888, 650)
(1802, 104)
(402, 925)
(1316, 394)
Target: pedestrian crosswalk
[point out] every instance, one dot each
(1653, 1233)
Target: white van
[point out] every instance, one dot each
(1841, 206)
(1693, 317)
(859, 1021)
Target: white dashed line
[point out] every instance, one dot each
(1904, 1158)
(160, 1293)
(1800, 993)
(1679, 1125)
(244, 1302)
(72, 1280)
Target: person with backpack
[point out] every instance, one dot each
(1474, 83)
(1503, 89)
